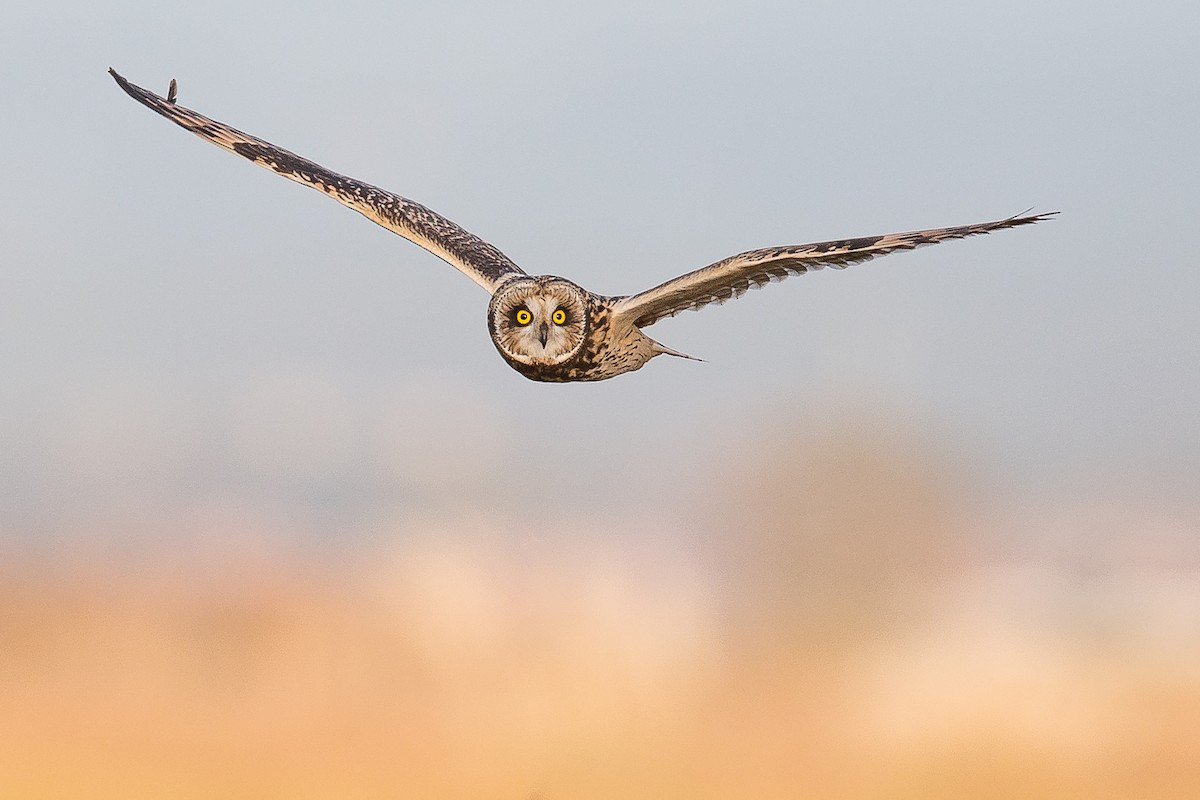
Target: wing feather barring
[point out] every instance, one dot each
(546, 327)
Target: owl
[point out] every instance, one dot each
(545, 327)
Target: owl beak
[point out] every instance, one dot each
(543, 332)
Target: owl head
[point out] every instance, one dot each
(538, 321)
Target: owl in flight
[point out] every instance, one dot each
(546, 327)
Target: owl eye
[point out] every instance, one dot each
(560, 317)
(523, 316)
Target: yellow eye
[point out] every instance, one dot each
(560, 317)
(523, 316)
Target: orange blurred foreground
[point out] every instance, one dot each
(849, 640)
(558, 687)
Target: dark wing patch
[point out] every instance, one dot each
(734, 276)
(480, 261)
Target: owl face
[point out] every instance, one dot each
(538, 321)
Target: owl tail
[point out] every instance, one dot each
(659, 347)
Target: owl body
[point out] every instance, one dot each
(588, 342)
(546, 327)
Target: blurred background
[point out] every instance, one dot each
(277, 521)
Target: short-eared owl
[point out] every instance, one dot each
(546, 327)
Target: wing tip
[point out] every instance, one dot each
(129, 88)
(1025, 218)
(145, 96)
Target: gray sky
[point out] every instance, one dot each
(175, 322)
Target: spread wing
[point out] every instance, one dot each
(733, 276)
(480, 261)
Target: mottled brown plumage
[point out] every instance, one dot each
(545, 327)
